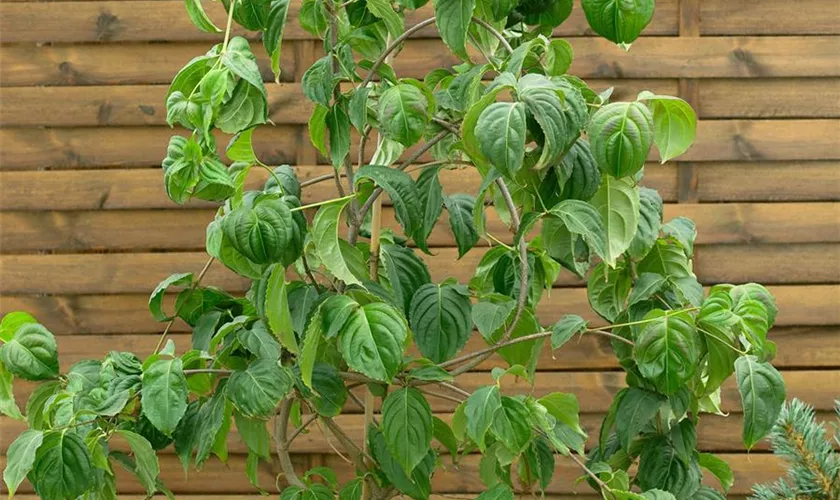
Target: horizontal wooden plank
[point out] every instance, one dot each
(769, 98)
(167, 20)
(811, 305)
(185, 229)
(714, 434)
(650, 57)
(133, 105)
(217, 478)
(122, 273)
(771, 17)
(63, 148)
(768, 181)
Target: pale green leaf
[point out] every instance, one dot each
(621, 135)
(325, 229)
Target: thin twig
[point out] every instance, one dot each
(393, 45)
(309, 273)
(311, 418)
(441, 395)
(604, 488)
(454, 388)
(214, 371)
(189, 294)
(494, 32)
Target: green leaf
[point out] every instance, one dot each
(667, 350)
(325, 228)
(273, 33)
(558, 57)
(617, 201)
(444, 435)
(460, 207)
(352, 490)
(372, 340)
(635, 410)
(357, 108)
(511, 424)
(617, 20)
(417, 485)
(564, 407)
(453, 19)
(577, 219)
(674, 124)
(440, 320)
(565, 329)
(683, 231)
(646, 287)
(156, 298)
(10, 323)
(8, 406)
(383, 10)
(31, 353)
(330, 389)
(402, 191)
(667, 260)
(147, 467)
(254, 434)
(317, 82)
(246, 108)
(239, 59)
(501, 134)
(754, 291)
(707, 493)
(257, 390)
(62, 467)
(241, 147)
(403, 114)
(338, 123)
(480, 409)
(499, 492)
(620, 135)
(580, 172)
(407, 426)
(277, 309)
(491, 312)
(267, 233)
(318, 128)
(650, 220)
(311, 343)
(430, 194)
(719, 468)
(199, 17)
(661, 468)
(21, 458)
(762, 395)
(608, 289)
(406, 273)
(549, 14)
(164, 395)
(430, 372)
(36, 404)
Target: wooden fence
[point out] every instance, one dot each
(87, 231)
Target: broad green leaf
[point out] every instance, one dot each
(430, 372)
(372, 340)
(277, 309)
(754, 291)
(273, 33)
(156, 298)
(501, 134)
(499, 492)
(707, 493)
(246, 108)
(62, 467)
(31, 353)
(417, 485)
(402, 191)
(267, 233)
(21, 458)
(239, 59)
(331, 393)
(241, 147)
(608, 289)
(313, 17)
(650, 220)
(251, 14)
(683, 231)
(617, 201)
(762, 395)
(491, 312)
(254, 434)
(338, 124)
(36, 404)
(403, 114)
(565, 329)
(309, 353)
(661, 468)
(352, 490)
(8, 406)
(667, 350)
(550, 15)
(11, 322)
(439, 316)
(578, 220)
(164, 395)
(318, 128)
(407, 426)
(210, 422)
(647, 286)
(635, 410)
(511, 424)
(444, 435)
(357, 108)
(147, 467)
(619, 21)
(383, 10)
(558, 57)
(325, 228)
(460, 208)
(674, 124)
(480, 410)
(666, 259)
(406, 273)
(564, 407)
(199, 17)
(317, 82)
(257, 390)
(621, 135)
(719, 468)
(453, 18)
(715, 322)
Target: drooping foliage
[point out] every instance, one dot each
(340, 309)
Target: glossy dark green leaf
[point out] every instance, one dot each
(430, 194)
(31, 353)
(317, 82)
(440, 320)
(417, 485)
(618, 21)
(407, 426)
(246, 108)
(254, 434)
(667, 350)
(460, 207)
(147, 468)
(491, 312)
(650, 220)
(273, 33)
(661, 468)
(372, 338)
(558, 57)
(239, 59)
(164, 396)
(402, 191)
(257, 390)
(762, 395)
(406, 273)
(501, 134)
(338, 125)
(266, 233)
(62, 468)
(403, 114)
(635, 411)
(480, 410)
(511, 424)
(277, 311)
(608, 290)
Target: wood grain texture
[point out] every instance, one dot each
(144, 230)
(805, 305)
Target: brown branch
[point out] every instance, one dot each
(281, 423)
(494, 32)
(393, 45)
(311, 418)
